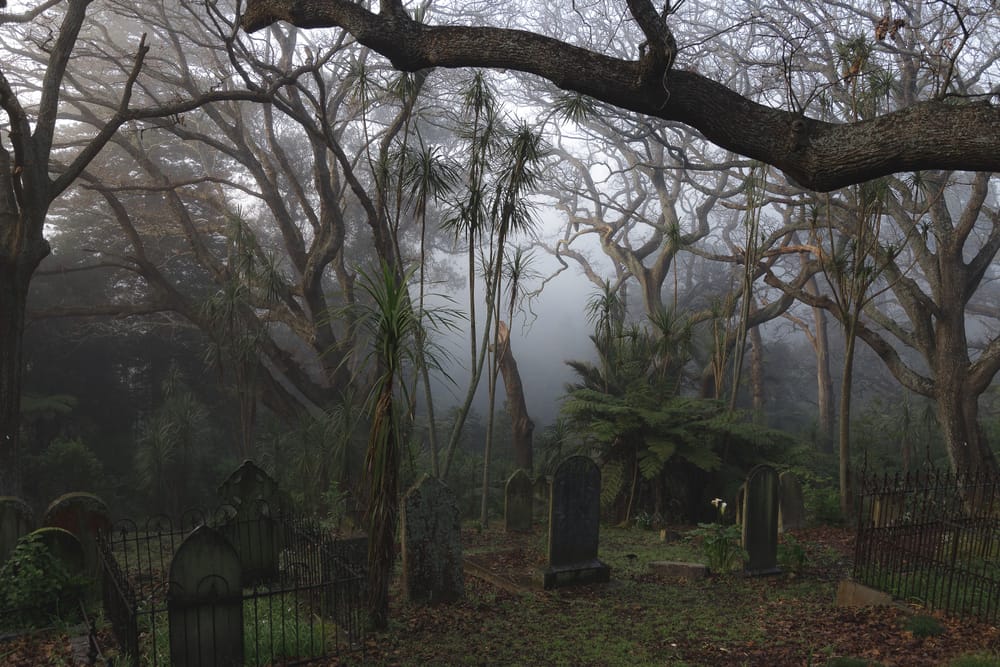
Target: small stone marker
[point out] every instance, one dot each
(16, 519)
(574, 525)
(760, 521)
(671, 569)
(518, 502)
(542, 487)
(432, 546)
(84, 515)
(791, 505)
(205, 602)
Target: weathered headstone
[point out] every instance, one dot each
(253, 530)
(518, 501)
(574, 525)
(791, 505)
(760, 521)
(205, 602)
(16, 519)
(84, 515)
(251, 491)
(64, 547)
(431, 540)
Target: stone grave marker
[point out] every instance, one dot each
(205, 602)
(253, 529)
(16, 519)
(791, 505)
(84, 515)
(518, 499)
(65, 547)
(760, 521)
(574, 525)
(431, 540)
(741, 496)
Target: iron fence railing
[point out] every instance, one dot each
(302, 588)
(933, 538)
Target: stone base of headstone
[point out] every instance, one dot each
(852, 594)
(766, 572)
(590, 572)
(677, 570)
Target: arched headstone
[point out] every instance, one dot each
(574, 525)
(64, 547)
(517, 509)
(760, 520)
(84, 515)
(432, 546)
(16, 519)
(791, 506)
(205, 602)
(253, 529)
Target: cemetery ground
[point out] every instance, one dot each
(641, 617)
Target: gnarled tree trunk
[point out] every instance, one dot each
(521, 425)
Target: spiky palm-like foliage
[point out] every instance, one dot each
(395, 330)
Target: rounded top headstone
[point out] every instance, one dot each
(64, 546)
(205, 565)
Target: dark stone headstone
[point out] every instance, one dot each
(252, 528)
(791, 506)
(760, 521)
(64, 547)
(574, 525)
(432, 546)
(205, 602)
(16, 520)
(85, 515)
(518, 502)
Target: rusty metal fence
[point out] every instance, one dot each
(932, 538)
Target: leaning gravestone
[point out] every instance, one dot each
(252, 530)
(791, 505)
(518, 502)
(574, 525)
(16, 519)
(205, 602)
(85, 515)
(760, 521)
(431, 540)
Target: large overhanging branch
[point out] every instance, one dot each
(822, 156)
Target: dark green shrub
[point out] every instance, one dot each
(36, 587)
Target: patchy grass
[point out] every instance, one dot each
(642, 619)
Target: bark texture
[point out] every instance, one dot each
(817, 155)
(522, 427)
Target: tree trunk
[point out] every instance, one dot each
(13, 295)
(757, 371)
(958, 416)
(824, 378)
(844, 448)
(521, 425)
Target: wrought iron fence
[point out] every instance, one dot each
(300, 598)
(933, 538)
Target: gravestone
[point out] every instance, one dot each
(84, 515)
(574, 525)
(431, 540)
(760, 521)
(252, 529)
(791, 505)
(64, 547)
(16, 519)
(518, 502)
(205, 602)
